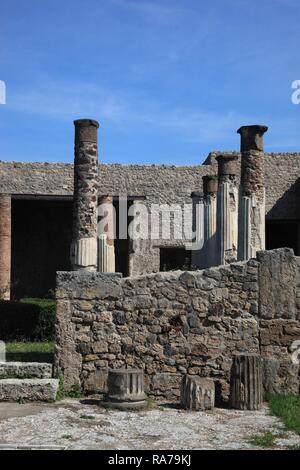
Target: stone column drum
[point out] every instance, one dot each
(227, 209)
(106, 235)
(197, 393)
(252, 192)
(125, 388)
(5, 246)
(246, 386)
(84, 241)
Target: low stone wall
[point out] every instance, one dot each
(179, 322)
(279, 318)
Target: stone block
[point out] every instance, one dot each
(96, 381)
(28, 389)
(280, 376)
(197, 393)
(19, 370)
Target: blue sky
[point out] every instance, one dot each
(168, 80)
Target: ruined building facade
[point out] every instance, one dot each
(116, 304)
(36, 212)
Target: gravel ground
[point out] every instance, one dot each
(72, 424)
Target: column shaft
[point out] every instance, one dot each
(84, 242)
(210, 188)
(204, 222)
(5, 246)
(106, 235)
(198, 253)
(252, 192)
(227, 209)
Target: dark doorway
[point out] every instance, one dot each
(175, 258)
(122, 244)
(41, 238)
(281, 234)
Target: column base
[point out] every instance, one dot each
(106, 255)
(84, 254)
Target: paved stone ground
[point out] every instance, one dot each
(75, 424)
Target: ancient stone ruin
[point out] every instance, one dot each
(239, 314)
(226, 313)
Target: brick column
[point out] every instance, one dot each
(5, 246)
(252, 192)
(84, 242)
(227, 209)
(106, 235)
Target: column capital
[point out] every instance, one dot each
(86, 130)
(252, 137)
(198, 195)
(227, 164)
(210, 184)
(105, 197)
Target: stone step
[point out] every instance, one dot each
(28, 389)
(36, 370)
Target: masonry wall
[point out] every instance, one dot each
(178, 322)
(279, 318)
(159, 184)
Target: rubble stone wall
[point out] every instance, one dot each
(159, 183)
(177, 322)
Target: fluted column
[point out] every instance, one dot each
(227, 209)
(106, 235)
(204, 223)
(5, 246)
(246, 385)
(252, 192)
(84, 241)
(198, 251)
(210, 188)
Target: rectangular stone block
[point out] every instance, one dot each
(28, 389)
(37, 370)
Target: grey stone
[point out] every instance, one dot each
(26, 370)
(246, 386)
(28, 389)
(197, 393)
(199, 330)
(125, 389)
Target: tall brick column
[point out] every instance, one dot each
(227, 209)
(106, 235)
(84, 242)
(252, 192)
(5, 246)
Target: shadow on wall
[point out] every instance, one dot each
(287, 206)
